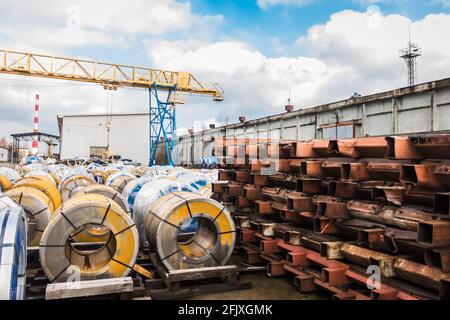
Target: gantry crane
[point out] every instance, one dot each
(162, 124)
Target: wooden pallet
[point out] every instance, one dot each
(193, 282)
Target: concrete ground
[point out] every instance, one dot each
(266, 288)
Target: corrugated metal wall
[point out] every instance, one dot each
(422, 108)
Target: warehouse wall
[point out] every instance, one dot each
(129, 135)
(422, 108)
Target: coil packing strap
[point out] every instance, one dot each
(13, 250)
(63, 258)
(190, 231)
(38, 209)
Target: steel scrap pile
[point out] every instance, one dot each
(91, 220)
(342, 214)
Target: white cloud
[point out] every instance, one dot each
(352, 52)
(255, 85)
(53, 25)
(265, 4)
(350, 40)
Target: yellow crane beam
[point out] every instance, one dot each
(106, 74)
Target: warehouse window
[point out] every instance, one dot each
(342, 132)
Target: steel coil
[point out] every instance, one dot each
(13, 250)
(72, 185)
(64, 259)
(46, 178)
(5, 183)
(11, 174)
(210, 244)
(38, 209)
(107, 192)
(42, 185)
(120, 181)
(148, 194)
(102, 174)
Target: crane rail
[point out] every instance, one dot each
(106, 74)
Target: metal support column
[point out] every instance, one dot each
(162, 124)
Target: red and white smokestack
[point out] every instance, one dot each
(35, 146)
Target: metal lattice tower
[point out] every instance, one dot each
(410, 55)
(162, 124)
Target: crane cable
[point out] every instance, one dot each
(109, 110)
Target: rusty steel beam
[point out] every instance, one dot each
(247, 236)
(333, 209)
(242, 221)
(259, 180)
(312, 168)
(384, 170)
(424, 175)
(332, 168)
(274, 267)
(441, 203)
(299, 202)
(335, 273)
(375, 147)
(252, 193)
(394, 195)
(283, 181)
(242, 176)
(404, 217)
(310, 149)
(434, 234)
(438, 258)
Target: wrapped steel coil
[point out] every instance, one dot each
(119, 181)
(5, 183)
(148, 194)
(210, 244)
(63, 258)
(38, 209)
(107, 192)
(133, 187)
(13, 250)
(43, 185)
(10, 173)
(72, 185)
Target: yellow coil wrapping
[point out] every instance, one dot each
(38, 208)
(62, 261)
(43, 185)
(5, 184)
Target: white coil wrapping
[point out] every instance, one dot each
(151, 192)
(13, 250)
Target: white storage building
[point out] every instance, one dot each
(82, 135)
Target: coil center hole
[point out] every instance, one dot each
(91, 247)
(197, 237)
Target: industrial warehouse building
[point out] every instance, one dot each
(85, 135)
(420, 108)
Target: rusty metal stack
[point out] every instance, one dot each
(336, 213)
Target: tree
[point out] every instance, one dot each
(4, 143)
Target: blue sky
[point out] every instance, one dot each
(321, 51)
(245, 20)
